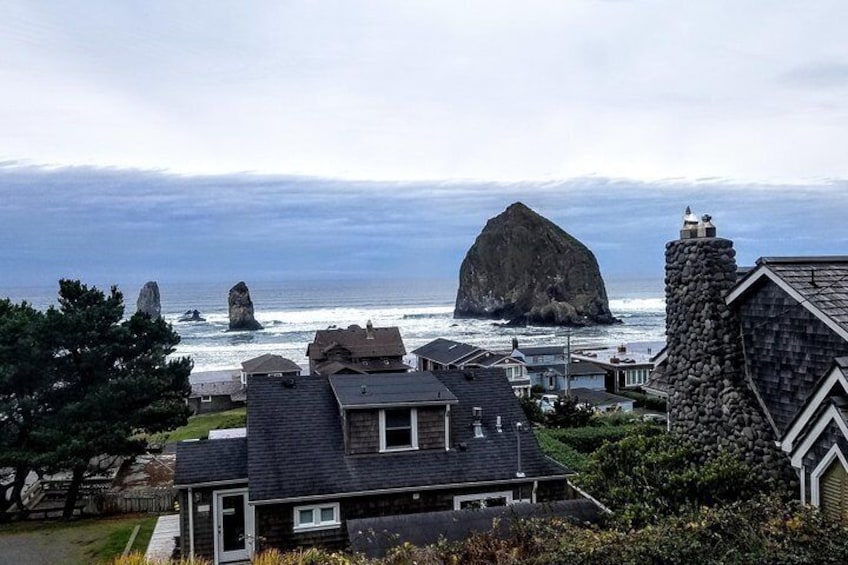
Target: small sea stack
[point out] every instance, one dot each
(526, 269)
(148, 300)
(241, 309)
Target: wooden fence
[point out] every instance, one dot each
(161, 499)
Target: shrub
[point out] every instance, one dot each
(531, 409)
(567, 413)
(589, 439)
(555, 449)
(646, 401)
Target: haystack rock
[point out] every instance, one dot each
(148, 300)
(241, 309)
(526, 269)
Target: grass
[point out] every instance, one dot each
(86, 541)
(198, 426)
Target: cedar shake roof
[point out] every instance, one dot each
(406, 389)
(375, 536)
(359, 342)
(296, 445)
(231, 388)
(211, 461)
(269, 363)
(446, 351)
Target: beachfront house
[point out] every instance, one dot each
(546, 368)
(268, 365)
(442, 354)
(324, 455)
(356, 350)
(626, 366)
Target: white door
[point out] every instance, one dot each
(234, 526)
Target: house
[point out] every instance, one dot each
(794, 317)
(216, 391)
(324, 452)
(602, 401)
(441, 354)
(355, 350)
(269, 365)
(627, 366)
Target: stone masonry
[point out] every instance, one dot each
(709, 398)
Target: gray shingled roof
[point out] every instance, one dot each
(232, 388)
(577, 369)
(269, 363)
(296, 447)
(393, 388)
(598, 397)
(822, 281)
(445, 351)
(375, 536)
(384, 342)
(211, 461)
(543, 350)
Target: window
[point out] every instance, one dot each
(317, 517)
(635, 377)
(482, 500)
(398, 429)
(513, 373)
(206, 398)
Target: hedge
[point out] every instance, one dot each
(588, 439)
(562, 453)
(646, 401)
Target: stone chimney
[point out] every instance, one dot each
(710, 400)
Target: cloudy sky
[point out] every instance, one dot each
(181, 140)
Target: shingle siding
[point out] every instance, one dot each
(830, 436)
(431, 428)
(363, 431)
(787, 349)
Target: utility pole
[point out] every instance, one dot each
(568, 363)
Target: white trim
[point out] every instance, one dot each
(317, 523)
(481, 496)
(820, 469)
(830, 415)
(190, 524)
(447, 427)
(764, 271)
(835, 376)
(205, 398)
(249, 516)
(413, 422)
(803, 484)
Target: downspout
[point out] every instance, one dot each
(535, 488)
(190, 524)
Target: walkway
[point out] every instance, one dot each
(162, 542)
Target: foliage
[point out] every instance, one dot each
(555, 449)
(615, 419)
(650, 474)
(590, 438)
(531, 409)
(310, 556)
(568, 413)
(198, 427)
(136, 558)
(114, 542)
(646, 401)
(537, 390)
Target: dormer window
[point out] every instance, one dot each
(398, 429)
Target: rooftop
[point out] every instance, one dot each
(360, 342)
(445, 351)
(269, 363)
(359, 391)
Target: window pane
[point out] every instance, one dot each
(304, 517)
(399, 438)
(398, 418)
(500, 501)
(328, 514)
(468, 504)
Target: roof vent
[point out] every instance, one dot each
(498, 425)
(289, 383)
(363, 389)
(369, 330)
(477, 413)
(469, 375)
(463, 446)
(813, 282)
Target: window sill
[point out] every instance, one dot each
(398, 449)
(300, 529)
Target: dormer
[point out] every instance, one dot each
(394, 412)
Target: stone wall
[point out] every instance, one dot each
(709, 398)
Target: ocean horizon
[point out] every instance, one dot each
(291, 311)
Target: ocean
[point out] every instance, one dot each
(291, 312)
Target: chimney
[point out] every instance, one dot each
(514, 343)
(477, 413)
(369, 330)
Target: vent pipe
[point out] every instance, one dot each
(518, 428)
(477, 413)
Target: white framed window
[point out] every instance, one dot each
(398, 429)
(317, 517)
(482, 500)
(206, 398)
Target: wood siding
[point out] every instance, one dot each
(274, 523)
(787, 349)
(431, 427)
(363, 431)
(830, 436)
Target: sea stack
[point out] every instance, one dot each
(241, 309)
(148, 300)
(526, 269)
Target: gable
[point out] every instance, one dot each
(834, 383)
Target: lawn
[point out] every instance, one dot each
(198, 426)
(91, 540)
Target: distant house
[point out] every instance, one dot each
(325, 455)
(269, 365)
(794, 317)
(355, 350)
(444, 354)
(546, 368)
(216, 391)
(626, 366)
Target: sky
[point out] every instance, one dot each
(195, 140)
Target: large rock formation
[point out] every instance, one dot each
(148, 300)
(241, 309)
(526, 269)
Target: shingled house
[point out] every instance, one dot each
(441, 354)
(324, 452)
(354, 350)
(268, 365)
(794, 317)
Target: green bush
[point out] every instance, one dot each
(531, 409)
(646, 401)
(562, 453)
(589, 439)
(567, 413)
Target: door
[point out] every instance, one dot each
(234, 526)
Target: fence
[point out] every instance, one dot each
(160, 499)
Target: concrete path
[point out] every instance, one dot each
(162, 541)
